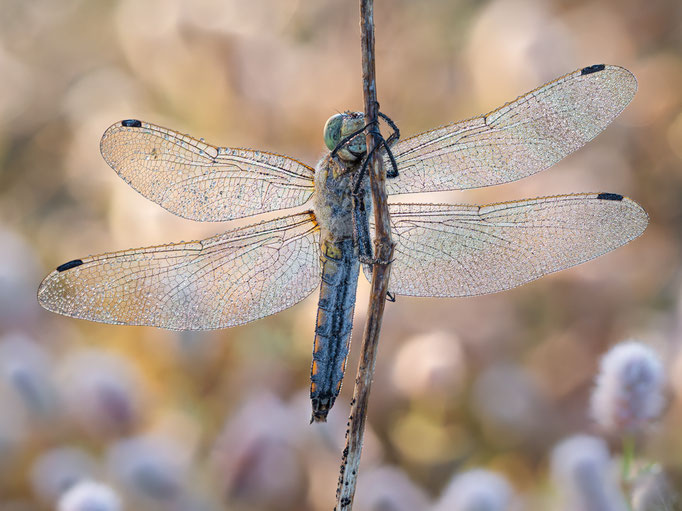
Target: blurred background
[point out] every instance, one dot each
(219, 420)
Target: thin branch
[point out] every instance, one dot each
(383, 252)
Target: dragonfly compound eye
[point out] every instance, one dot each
(344, 135)
(332, 131)
(354, 122)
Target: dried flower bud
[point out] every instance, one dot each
(476, 490)
(629, 388)
(581, 470)
(89, 496)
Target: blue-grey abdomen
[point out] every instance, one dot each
(340, 269)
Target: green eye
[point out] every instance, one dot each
(332, 131)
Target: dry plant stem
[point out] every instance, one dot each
(380, 273)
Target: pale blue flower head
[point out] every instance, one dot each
(150, 468)
(476, 490)
(27, 368)
(629, 388)
(256, 460)
(89, 496)
(58, 469)
(581, 468)
(103, 392)
(390, 489)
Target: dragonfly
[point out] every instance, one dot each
(442, 250)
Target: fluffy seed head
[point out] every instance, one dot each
(581, 470)
(59, 469)
(102, 392)
(389, 489)
(89, 496)
(150, 467)
(629, 389)
(476, 490)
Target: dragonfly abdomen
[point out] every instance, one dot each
(340, 269)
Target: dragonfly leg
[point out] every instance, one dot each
(350, 137)
(357, 182)
(360, 175)
(390, 142)
(361, 237)
(386, 143)
(394, 166)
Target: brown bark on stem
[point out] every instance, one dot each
(383, 253)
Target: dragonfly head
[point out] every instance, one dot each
(340, 126)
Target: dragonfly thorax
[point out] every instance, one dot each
(334, 175)
(332, 201)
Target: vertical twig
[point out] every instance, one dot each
(380, 274)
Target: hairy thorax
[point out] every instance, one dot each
(333, 205)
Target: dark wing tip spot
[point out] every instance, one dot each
(131, 123)
(610, 196)
(592, 69)
(69, 265)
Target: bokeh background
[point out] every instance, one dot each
(219, 420)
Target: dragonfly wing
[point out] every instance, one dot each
(199, 181)
(521, 138)
(452, 250)
(227, 280)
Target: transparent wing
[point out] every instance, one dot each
(521, 138)
(451, 250)
(199, 181)
(227, 280)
